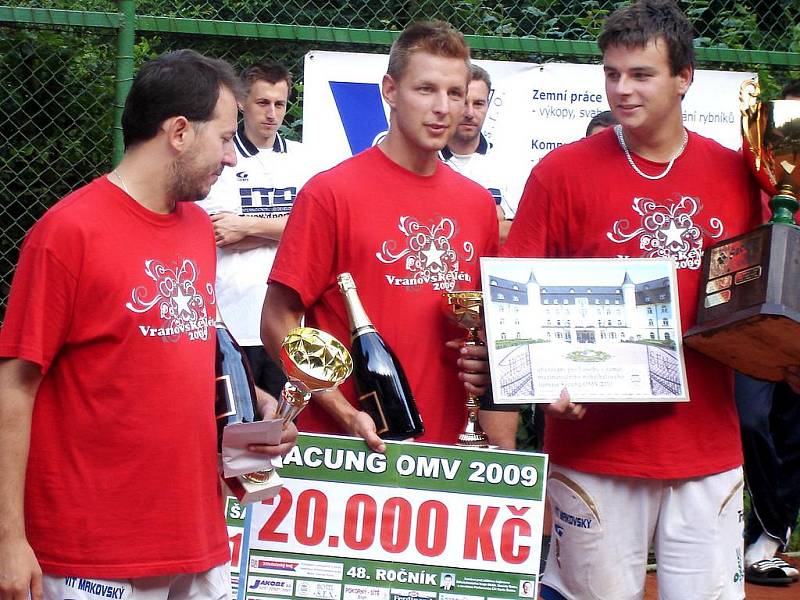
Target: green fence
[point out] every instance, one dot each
(64, 66)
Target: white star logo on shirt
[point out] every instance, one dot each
(433, 255)
(182, 302)
(674, 234)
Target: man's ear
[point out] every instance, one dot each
(685, 78)
(389, 90)
(179, 132)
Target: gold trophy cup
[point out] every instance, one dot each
(749, 308)
(771, 147)
(466, 310)
(314, 361)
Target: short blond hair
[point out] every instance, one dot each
(434, 37)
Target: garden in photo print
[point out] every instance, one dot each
(606, 329)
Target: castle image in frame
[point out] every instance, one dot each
(607, 329)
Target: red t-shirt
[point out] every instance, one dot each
(115, 302)
(584, 200)
(405, 239)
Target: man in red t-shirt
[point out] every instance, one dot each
(108, 462)
(408, 228)
(625, 476)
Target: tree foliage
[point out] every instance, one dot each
(58, 84)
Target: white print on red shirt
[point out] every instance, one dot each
(430, 258)
(180, 306)
(668, 230)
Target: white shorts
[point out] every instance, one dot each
(214, 584)
(603, 527)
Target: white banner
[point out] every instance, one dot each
(534, 107)
(419, 521)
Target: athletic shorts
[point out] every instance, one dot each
(603, 527)
(214, 584)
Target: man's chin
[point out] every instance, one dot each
(436, 145)
(464, 140)
(196, 195)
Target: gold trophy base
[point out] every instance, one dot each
(255, 487)
(473, 436)
(473, 440)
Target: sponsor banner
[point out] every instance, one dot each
(419, 521)
(276, 586)
(411, 594)
(363, 592)
(318, 589)
(299, 568)
(533, 107)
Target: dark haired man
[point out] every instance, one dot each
(600, 122)
(791, 91)
(107, 429)
(625, 476)
(249, 207)
(388, 217)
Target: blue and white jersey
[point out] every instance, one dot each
(263, 183)
(504, 178)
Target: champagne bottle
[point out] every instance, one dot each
(383, 389)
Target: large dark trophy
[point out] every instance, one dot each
(466, 310)
(749, 310)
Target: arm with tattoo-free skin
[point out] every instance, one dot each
(19, 571)
(282, 311)
(238, 232)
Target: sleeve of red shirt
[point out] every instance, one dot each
(42, 299)
(306, 255)
(530, 232)
(493, 243)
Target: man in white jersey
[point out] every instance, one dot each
(249, 207)
(471, 154)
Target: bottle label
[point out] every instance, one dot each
(372, 406)
(224, 405)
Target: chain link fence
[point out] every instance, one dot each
(755, 24)
(58, 64)
(56, 122)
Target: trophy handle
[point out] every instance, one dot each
(750, 109)
(473, 435)
(466, 309)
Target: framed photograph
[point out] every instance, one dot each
(606, 329)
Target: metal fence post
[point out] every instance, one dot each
(126, 39)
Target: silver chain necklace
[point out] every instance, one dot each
(621, 140)
(122, 181)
